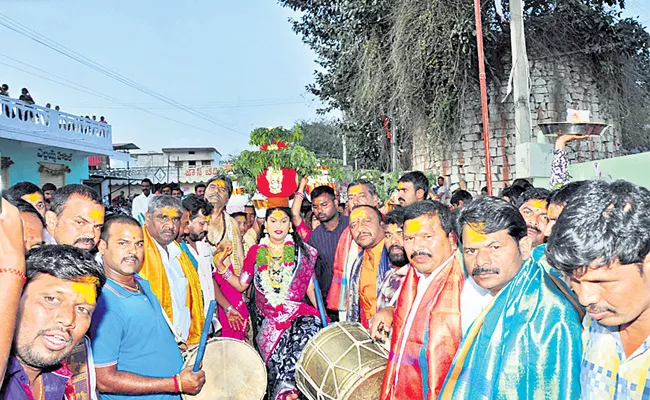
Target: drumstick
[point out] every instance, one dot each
(204, 336)
(319, 301)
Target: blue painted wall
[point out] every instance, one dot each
(26, 157)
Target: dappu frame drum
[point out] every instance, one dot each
(341, 362)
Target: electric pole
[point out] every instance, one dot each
(521, 90)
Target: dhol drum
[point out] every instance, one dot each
(233, 371)
(341, 362)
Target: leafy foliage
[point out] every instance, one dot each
(250, 164)
(265, 136)
(414, 61)
(323, 138)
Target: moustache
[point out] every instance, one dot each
(400, 199)
(536, 229)
(395, 246)
(421, 253)
(85, 240)
(131, 258)
(168, 231)
(595, 309)
(485, 270)
(63, 331)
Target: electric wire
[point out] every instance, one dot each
(59, 48)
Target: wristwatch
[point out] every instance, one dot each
(227, 310)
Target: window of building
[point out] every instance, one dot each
(191, 163)
(206, 162)
(191, 152)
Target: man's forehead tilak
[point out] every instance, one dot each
(359, 213)
(538, 203)
(412, 226)
(170, 212)
(86, 287)
(33, 197)
(476, 232)
(357, 189)
(96, 216)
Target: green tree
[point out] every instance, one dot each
(415, 61)
(323, 138)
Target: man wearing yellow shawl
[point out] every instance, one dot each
(170, 272)
(526, 343)
(427, 323)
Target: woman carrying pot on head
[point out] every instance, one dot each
(281, 269)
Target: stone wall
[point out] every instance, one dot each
(557, 84)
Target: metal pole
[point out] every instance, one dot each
(393, 149)
(345, 151)
(484, 105)
(520, 89)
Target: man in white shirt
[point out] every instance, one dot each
(442, 191)
(141, 201)
(200, 253)
(162, 264)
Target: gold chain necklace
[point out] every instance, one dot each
(40, 395)
(131, 289)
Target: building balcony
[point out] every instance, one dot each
(48, 127)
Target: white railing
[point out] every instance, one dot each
(54, 125)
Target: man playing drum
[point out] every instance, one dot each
(427, 316)
(135, 351)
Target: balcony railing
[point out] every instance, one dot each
(36, 124)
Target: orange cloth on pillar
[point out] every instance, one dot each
(153, 270)
(368, 280)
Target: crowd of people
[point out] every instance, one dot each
(529, 294)
(27, 98)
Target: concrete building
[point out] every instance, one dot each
(42, 145)
(185, 165)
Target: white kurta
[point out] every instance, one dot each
(140, 206)
(178, 288)
(203, 255)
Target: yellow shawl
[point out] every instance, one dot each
(153, 270)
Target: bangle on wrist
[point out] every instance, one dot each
(300, 194)
(226, 275)
(175, 383)
(180, 384)
(16, 272)
(229, 309)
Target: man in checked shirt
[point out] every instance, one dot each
(602, 241)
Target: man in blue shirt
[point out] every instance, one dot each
(135, 351)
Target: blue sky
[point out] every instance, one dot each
(238, 62)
